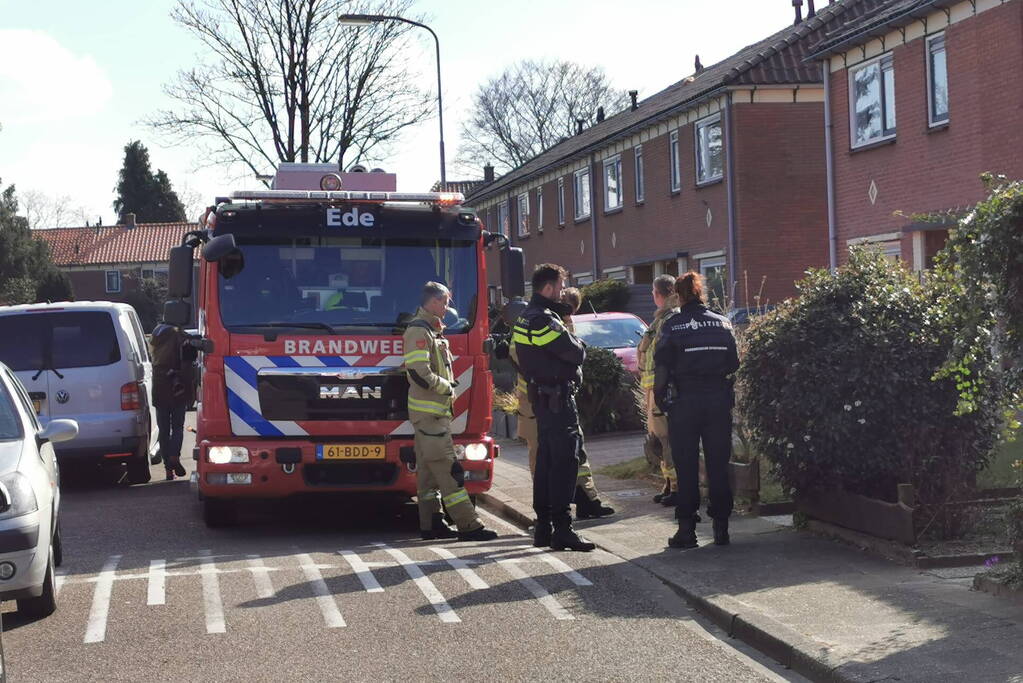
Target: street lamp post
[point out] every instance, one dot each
(369, 19)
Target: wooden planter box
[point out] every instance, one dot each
(892, 521)
(744, 478)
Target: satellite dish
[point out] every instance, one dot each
(358, 168)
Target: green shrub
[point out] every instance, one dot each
(840, 389)
(609, 399)
(604, 296)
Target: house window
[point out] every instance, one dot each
(147, 273)
(613, 183)
(502, 218)
(113, 281)
(675, 171)
(715, 276)
(539, 209)
(582, 194)
(561, 201)
(640, 181)
(710, 162)
(872, 100)
(523, 214)
(937, 81)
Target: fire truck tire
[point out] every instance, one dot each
(217, 512)
(138, 469)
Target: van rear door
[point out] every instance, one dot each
(23, 338)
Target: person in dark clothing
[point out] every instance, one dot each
(550, 359)
(173, 392)
(693, 363)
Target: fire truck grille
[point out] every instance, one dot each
(351, 474)
(331, 396)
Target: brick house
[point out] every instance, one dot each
(923, 97)
(108, 263)
(722, 172)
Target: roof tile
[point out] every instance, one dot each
(145, 243)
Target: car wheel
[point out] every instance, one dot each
(45, 604)
(138, 470)
(58, 548)
(217, 512)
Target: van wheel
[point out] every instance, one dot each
(217, 512)
(45, 604)
(58, 548)
(138, 470)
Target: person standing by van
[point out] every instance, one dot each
(173, 392)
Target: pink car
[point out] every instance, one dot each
(618, 332)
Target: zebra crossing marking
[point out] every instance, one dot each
(538, 591)
(212, 603)
(96, 630)
(331, 614)
(157, 591)
(261, 577)
(558, 564)
(462, 567)
(362, 571)
(423, 582)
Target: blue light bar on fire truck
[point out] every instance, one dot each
(438, 198)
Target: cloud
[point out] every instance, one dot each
(42, 81)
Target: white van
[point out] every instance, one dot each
(88, 361)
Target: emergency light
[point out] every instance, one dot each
(291, 196)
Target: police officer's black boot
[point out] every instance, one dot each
(685, 537)
(721, 532)
(565, 538)
(542, 533)
(438, 529)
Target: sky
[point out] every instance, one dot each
(78, 78)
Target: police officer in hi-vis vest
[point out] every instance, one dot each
(549, 358)
(439, 475)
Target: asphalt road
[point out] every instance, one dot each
(343, 589)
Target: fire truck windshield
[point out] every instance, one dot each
(331, 283)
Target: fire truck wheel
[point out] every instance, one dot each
(217, 512)
(138, 469)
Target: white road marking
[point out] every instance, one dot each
(462, 567)
(331, 614)
(440, 605)
(157, 582)
(58, 581)
(96, 631)
(211, 594)
(559, 564)
(538, 591)
(261, 577)
(362, 570)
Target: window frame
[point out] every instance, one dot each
(561, 201)
(575, 191)
(929, 52)
(885, 63)
(614, 162)
(674, 163)
(640, 180)
(522, 217)
(709, 262)
(700, 126)
(106, 281)
(504, 222)
(539, 209)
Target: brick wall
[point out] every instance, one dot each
(924, 169)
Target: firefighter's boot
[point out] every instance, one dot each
(481, 534)
(589, 509)
(665, 492)
(685, 537)
(565, 538)
(438, 529)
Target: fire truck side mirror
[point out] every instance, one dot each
(179, 273)
(513, 272)
(219, 247)
(178, 313)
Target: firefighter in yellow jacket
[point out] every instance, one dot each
(657, 448)
(439, 475)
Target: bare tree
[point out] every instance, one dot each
(530, 107)
(45, 211)
(287, 82)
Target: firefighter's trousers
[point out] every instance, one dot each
(657, 446)
(527, 431)
(557, 457)
(702, 417)
(435, 455)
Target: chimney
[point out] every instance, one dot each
(600, 114)
(633, 94)
(699, 65)
(810, 11)
(579, 126)
(129, 221)
(798, 4)
(488, 173)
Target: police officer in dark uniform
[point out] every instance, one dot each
(550, 360)
(693, 363)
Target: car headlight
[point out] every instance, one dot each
(476, 451)
(20, 498)
(225, 455)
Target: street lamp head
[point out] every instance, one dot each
(358, 19)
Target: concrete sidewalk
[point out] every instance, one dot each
(827, 611)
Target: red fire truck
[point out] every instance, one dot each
(303, 294)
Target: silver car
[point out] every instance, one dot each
(30, 545)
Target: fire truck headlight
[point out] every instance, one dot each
(476, 451)
(224, 455)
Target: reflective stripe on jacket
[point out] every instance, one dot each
(428, 366)
(649, 341)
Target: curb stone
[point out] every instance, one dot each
(758, 631)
